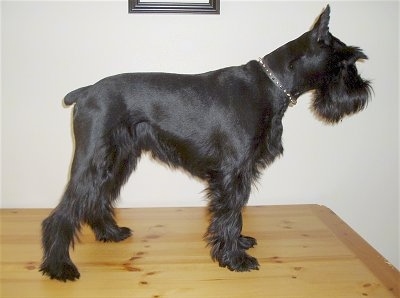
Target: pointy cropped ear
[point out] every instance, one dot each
(320, 30)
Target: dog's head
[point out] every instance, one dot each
(319, 61)
(340, 90)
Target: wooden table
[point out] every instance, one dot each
(304, 251)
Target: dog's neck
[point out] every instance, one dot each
(274, 79)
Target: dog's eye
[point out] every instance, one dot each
(292, 64)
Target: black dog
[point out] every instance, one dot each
(222, 126)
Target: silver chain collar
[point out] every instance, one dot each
(292, 100)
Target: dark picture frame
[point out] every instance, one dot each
(196, 6)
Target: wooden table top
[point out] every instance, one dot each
(304, 251)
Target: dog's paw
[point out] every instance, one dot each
(61, 271)
(240, 261)
(246, 242)
(116, 234)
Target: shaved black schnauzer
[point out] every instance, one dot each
(222, 126)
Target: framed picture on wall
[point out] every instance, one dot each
(174, 6)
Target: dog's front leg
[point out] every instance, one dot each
(229, 194)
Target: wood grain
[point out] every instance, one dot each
(304, 251)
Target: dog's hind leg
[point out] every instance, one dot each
(117, 158)
(228, 195)
(58, 231)
(102, 162)
(60, 227)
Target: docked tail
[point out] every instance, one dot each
(73, 96)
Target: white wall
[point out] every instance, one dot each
(50, 48)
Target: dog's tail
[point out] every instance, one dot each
(73, 96)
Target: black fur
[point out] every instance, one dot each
(223, 126)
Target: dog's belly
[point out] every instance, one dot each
(199, 153)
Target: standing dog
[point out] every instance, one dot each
(223, 126)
